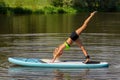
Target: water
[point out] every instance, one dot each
(38, 35)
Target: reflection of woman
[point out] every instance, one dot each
(63, 75)
(74, 37)
(58, 75)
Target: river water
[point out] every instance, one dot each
(37, 36)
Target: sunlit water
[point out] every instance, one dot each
(101, 42)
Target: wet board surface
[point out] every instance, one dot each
(45, 63)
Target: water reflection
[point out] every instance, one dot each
(63, 23)
(52, 74)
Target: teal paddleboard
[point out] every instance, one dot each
(45, 63)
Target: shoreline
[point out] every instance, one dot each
(11, 7)
(44, 10)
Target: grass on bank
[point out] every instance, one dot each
(47, 7)
(52, 9)
(31, 7)
(44, 10)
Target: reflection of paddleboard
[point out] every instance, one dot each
(45, 63)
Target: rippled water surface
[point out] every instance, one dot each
(101, 46)
(101, 42)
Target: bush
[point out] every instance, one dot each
(61, 10)
(39, 11)
(62, 3)
(3, 8)
(49, 9)
(19, 10)
(57, 3)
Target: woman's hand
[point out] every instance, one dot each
(58, 52)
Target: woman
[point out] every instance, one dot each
(74, 37)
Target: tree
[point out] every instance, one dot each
(3, 9)
(102, 5)
(57, 3)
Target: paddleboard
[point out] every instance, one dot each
(45, 63)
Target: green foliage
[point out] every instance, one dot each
(57, 6)
(19, 10)
(3, 9)
(102, 5)
(53, 10)
(57, 3)
(62, 3)
(90, 5)
(39, 11)
(67, 3)
(49, 9)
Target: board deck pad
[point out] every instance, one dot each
(58, 61)
(46, 63)
(49, 60)
(93, 62)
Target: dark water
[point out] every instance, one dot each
(38, 35)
